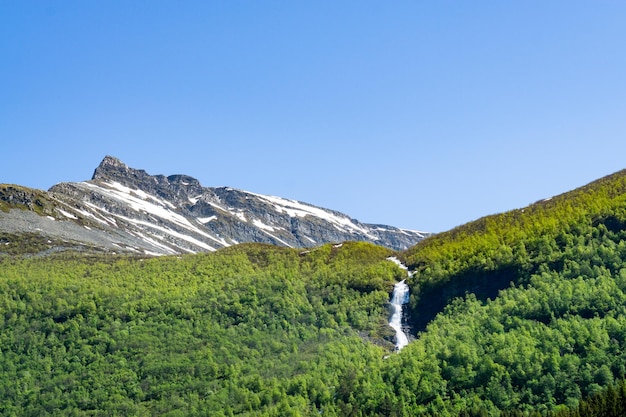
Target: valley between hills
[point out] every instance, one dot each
(522, 313)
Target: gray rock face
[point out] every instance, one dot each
(129, 210)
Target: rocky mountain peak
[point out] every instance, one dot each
(174, 188)
(110, 167)
(184, 180)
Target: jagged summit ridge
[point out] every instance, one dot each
(157, 214)
(113, 170)
(109, 165)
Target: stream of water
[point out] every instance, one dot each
(399, 297)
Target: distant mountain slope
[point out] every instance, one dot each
(126, 209)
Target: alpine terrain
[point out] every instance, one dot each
(521, 313)
(122, 209)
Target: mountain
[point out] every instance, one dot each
(128, 210)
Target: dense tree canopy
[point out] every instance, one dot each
(251, 329)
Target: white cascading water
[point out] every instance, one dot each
(399, 297)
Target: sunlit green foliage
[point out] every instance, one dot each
(485, 256)
(250, 329)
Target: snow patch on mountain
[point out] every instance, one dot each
(295, 208)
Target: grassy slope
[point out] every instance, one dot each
(16, 196)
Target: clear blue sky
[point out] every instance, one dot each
(418, 114)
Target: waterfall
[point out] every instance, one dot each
(399, 297)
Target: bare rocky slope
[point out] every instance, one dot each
(128, 210)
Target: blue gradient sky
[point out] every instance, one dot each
(422, 115)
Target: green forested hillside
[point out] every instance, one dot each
(534, 308)
(251, 329)
(522, 313)
(485, 256)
